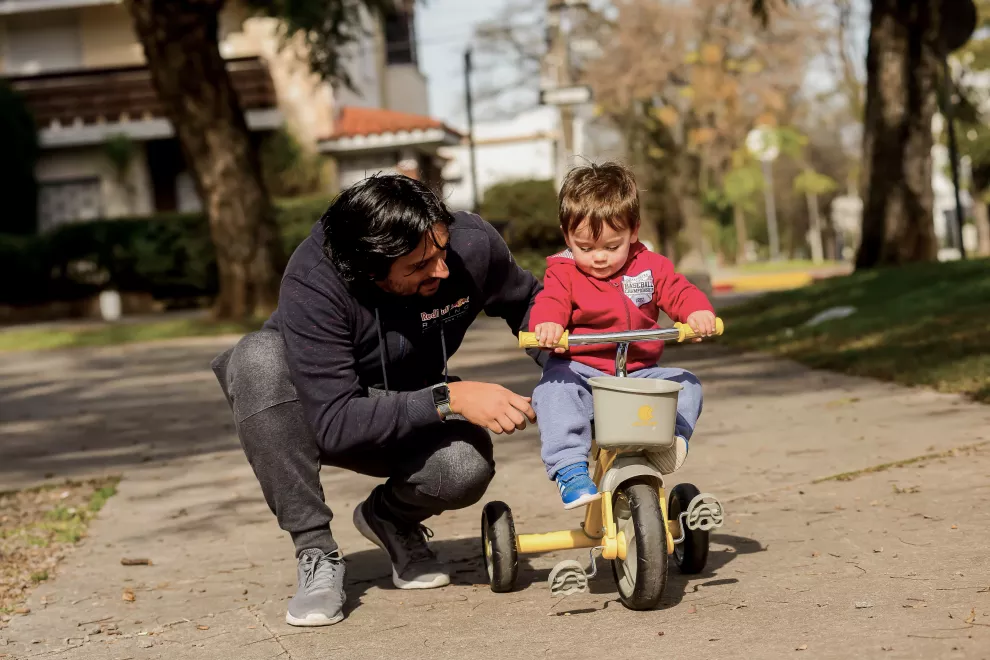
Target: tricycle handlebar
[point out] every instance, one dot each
(679, 333)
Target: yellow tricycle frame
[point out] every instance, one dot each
(598, 529)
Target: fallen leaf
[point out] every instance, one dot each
(803, 647)
(972, 616)
(955, 527)
(141, 561)
(202, 627)
(128, 595)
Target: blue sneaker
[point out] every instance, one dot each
(576, 487)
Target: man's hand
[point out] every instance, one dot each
(703, 323)
(492, 406)
(549, 335)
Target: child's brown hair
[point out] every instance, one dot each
(603, 194)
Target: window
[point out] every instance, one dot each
(400, 37)
(42, 42)
(67, 201)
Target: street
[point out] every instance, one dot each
(885, 561)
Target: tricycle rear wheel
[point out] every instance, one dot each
(642, 575)
(498, 546)
(691, 554)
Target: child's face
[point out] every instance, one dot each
(604, 257)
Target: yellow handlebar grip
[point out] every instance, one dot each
(685, 331)
(529, 340)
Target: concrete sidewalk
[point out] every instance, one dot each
(889, 564)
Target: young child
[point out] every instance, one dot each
(606, 281)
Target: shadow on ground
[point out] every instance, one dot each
(371, 568)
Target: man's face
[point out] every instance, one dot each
(420, 271)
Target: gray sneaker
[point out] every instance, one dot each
(319, 601)
(414, 564)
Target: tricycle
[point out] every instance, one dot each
(633, 524)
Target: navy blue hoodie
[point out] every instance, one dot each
(335, 334)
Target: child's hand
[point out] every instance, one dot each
(703, 324)
(549, 335)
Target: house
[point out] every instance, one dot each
(383, 124)
(108, 150)
(523, 147)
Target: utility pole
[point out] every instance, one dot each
(953, 154)
(557, 72)
(475, 202)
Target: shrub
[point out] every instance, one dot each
(168, 255)
(529, 211)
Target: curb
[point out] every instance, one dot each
(770, 281)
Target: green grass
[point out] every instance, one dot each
(36, 339)
(98, 499)
(36, 527)
(924, 324)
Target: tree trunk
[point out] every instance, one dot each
(692, 262)
(742, 234)
(901, 66)
(981, 217)
(815, 231)
(190, 77)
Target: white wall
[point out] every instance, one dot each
(529, 155)
(351, 169)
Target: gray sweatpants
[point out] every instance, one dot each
(564, 408)
(448, 467)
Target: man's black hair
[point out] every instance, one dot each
(377, 220)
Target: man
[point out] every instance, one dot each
(351, 371)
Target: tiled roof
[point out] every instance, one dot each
(356, 121)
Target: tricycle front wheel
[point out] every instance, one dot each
(642, 575)
(498, 546)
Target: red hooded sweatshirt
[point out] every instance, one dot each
(629, 300)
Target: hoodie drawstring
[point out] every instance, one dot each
(381, 350)
(443, 347)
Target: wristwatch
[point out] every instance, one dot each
(441, 399)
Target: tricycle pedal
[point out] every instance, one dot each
(704, 512)
(566, 578)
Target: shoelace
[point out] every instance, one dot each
(414, 541)
(322, 569)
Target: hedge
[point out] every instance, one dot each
(528, 209)
(167, 255)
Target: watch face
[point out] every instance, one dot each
(441, 395)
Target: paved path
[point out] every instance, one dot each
(891, 564)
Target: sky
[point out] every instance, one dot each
(443, 30)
